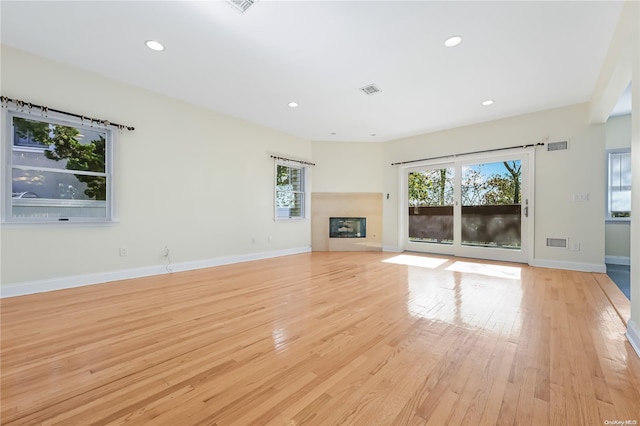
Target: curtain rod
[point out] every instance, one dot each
(468, 153)
(290, 159)
(21, 105)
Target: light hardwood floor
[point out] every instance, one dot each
(323, 339)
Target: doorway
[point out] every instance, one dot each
(478, 206)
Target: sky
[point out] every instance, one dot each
(489, 169)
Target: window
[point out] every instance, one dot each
(57, 170)
(290, 191)
(619, 185)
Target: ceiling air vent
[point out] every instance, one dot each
(241, 5)
(557, 242)
(370, 89)
(558, 146)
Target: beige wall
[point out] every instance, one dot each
(347, 167)
(618, 132)
(187, 178)
(174, 187)
(617, 235)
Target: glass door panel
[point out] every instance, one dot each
(430, 199)
(491, 199)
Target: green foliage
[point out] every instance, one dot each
(38, 130)
(431, 188)
(473, 187)
(620, 214)
(499, 190)
(515, 173)
(289, 180)
(62, 142)
(435, 187)
(477, 189)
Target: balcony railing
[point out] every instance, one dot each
(486, 226)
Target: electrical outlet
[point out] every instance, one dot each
(166, 252)
(575, 246)
(581, 197)
(270, 238)
(124, 252)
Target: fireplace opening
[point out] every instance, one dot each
(347, 227)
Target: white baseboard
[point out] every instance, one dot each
(40, 286)
(392, 249)
(633, 335)
(572, 266)
(618, 260)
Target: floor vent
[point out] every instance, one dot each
(557, 242)
(371, 89)
(558, 146)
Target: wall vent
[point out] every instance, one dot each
(558, 146)
(370, 89)
(557, 243)
(241, 5)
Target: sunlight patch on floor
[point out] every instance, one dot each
(420, 261)
(498, 271)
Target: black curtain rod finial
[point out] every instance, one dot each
(20, 105)
(275, 157)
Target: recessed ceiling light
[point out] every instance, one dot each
(487, 102)
(293, 104)
(453, 41)
(373, 134)
(154, 45)
(333, 133)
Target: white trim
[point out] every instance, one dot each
(30, 287)
(306, 197)
(572, 266)
(63, 171)
(6, 209)
(392, 249)
(618, 260)
(608, 217)
(228, 260)
(633, 335)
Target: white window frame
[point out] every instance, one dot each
(304, 192)
(609, 218)
(6, 210)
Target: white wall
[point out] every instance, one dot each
(348, 167)
(618, 132)
(633, 326)
(558, 176)
(617, 240)
(188, 178)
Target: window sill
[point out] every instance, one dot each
(70, 223)
(620, 221)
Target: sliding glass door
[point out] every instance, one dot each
(430, 196)
(475, 207)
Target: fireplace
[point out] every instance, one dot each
(347, 227)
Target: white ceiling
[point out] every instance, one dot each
(527, 56)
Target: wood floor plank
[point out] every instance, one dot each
(322, 339)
